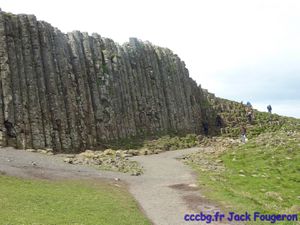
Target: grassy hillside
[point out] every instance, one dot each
(68, 202)
(262, 175)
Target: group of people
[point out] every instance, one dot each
(249, 114)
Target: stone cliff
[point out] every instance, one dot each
(73, 91)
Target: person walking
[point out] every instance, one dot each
(249, 115)
(269, 107)
(243, 134)
(205, 128)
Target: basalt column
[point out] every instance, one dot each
(76, 91)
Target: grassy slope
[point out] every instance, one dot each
(262, 175)
(68, 202)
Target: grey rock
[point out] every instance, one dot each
(72, 92)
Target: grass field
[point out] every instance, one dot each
(262, 175)
(69, 202)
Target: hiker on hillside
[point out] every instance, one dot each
(205, 128)
(249, 115)
(10, 130)
(219, 121)
(243, 134)
(269, 107)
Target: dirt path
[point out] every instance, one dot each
(166, 191)
(25, 164)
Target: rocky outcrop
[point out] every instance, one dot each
(73, 91)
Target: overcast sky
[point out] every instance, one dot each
(240, 50)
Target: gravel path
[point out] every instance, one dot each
(166, 191)
(25, 164)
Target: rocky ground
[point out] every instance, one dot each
(212, 148)
(118, 160)
(107, 160)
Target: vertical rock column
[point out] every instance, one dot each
(7, 107)
(72, 92)
(52, 95)
(38, 62)
(3, 68)
(34, 109)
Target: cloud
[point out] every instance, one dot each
(286, 108)
(273, 80)
(240, 50)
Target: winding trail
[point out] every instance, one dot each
(166, 191)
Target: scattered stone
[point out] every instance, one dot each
(200, 138)
(133, 152)
(87, 154)
(43, 151)
(127, 155)
(109, 152)
(68, 160)
(119, 153)
(107, 160)
(136, 173)
(144, 151)
(274, 195)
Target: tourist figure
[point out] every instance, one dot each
(249, 115)
(243, 134)
(219, 121)
(269, 107)
(249, 112)
(10, 130)
(205, 128)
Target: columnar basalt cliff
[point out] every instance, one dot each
(73, 91)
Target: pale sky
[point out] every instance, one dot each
(243, 50)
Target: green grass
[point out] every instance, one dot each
(262, 175)
(263, 122)
(69, 202)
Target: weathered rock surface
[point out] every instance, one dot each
(72, 92)
(107, 160)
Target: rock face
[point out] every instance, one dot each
(73, 91)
